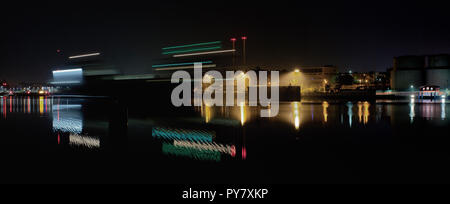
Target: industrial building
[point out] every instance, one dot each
(409, 73)
(310, 79)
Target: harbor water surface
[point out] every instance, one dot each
(72, 140)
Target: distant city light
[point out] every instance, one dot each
(205, 53)
(84, 55)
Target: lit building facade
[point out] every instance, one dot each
(310, 79)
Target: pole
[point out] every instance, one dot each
(244, 51)
(233, 40)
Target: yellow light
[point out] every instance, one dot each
(207, 114)
(296, 114)
(297, 70)
(325, 112)
(41, 104)
(366, 112)
(242, 107)
(360, 113)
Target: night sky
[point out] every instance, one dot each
(354, 35)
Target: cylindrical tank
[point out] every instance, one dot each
(403, 79)
(439, 60)
(438, 77)
(409, 62)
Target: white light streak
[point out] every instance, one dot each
(85, 55)
(89, 142)
(67, 70)
(65, 82)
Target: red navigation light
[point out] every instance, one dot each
(233, 39)
(244, 38)
(233, 151)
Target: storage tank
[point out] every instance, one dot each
(438, 77)
(409, 62)
(439, 60)
(403, 79)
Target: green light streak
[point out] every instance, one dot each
(179, 64)
(192, 45)
(170, 149)
(192, 50)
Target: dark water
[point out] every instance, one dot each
(52, 139)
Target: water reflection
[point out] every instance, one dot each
(82, 140)
(296, 114)
(218, 133)
(41, 105)
(366, 112)
(243, 113)
(195, 144)
(24, 105)
(443, 108)
(68, 122)
(411, 110)
(325, 113)
(350, 113)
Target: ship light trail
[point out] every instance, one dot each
(185, 67)
(183, 134)
(192, 45)
(179, 64)
(204, 53)
(191, 50)
(67, 70)
(210, 146)
(84, 55)
(81, 140)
